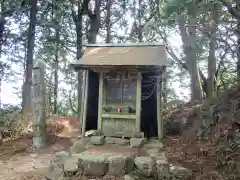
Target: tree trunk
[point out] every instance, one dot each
(211, 85)
(238, 43)
(94, 23)
(29, 63)
(140, 15)
(55, 91)
(79, 55)
(188, 36)
(108, 21)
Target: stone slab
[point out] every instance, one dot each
(119, 165)
(93, 165)
(137, 142)
(113, 140)
(70, 166)
(97, 140)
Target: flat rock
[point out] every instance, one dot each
(137, 142)
(54, 172)
(112, 140)
(70, 166)
(179, 171)
(79, 145)
(145, 164)
(97, 140)
(119, 165)
(93, 165)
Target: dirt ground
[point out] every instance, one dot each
(19, 161)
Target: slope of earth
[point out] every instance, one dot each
(216, 153)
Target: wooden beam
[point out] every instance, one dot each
(85, 102)
(100, 101)
(159, 108)
(138, 102)
(119, 116)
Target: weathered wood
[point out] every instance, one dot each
(100, 102)
(159, 108)
(85, 102)
(38, 106)
(164, 88)
(120, 116)
(138, 102)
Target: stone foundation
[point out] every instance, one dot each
(85, 159)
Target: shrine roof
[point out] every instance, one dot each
(138, 54)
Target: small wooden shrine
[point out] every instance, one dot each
(123, 89)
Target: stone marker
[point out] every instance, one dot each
(93, 165)
(119, 165)
(137, 142)
(97, 140)
(145, 164)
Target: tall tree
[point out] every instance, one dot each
(30, 50)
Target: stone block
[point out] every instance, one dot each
(70, 166)
(112, 140)
(93, 165)
(97, 140)
(120, 165)
(145, 164)
(137, 142)
(162, 168)
(54, 172)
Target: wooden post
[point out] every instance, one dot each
(159, 107)
(100, 101)
(138, 102)
(164, 87)
(38, 106)
(85, 102)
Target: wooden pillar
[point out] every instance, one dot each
(38, 106)
(100, 101)
(85, 101)
(159, 107)
(164, 87)
(138, 102)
